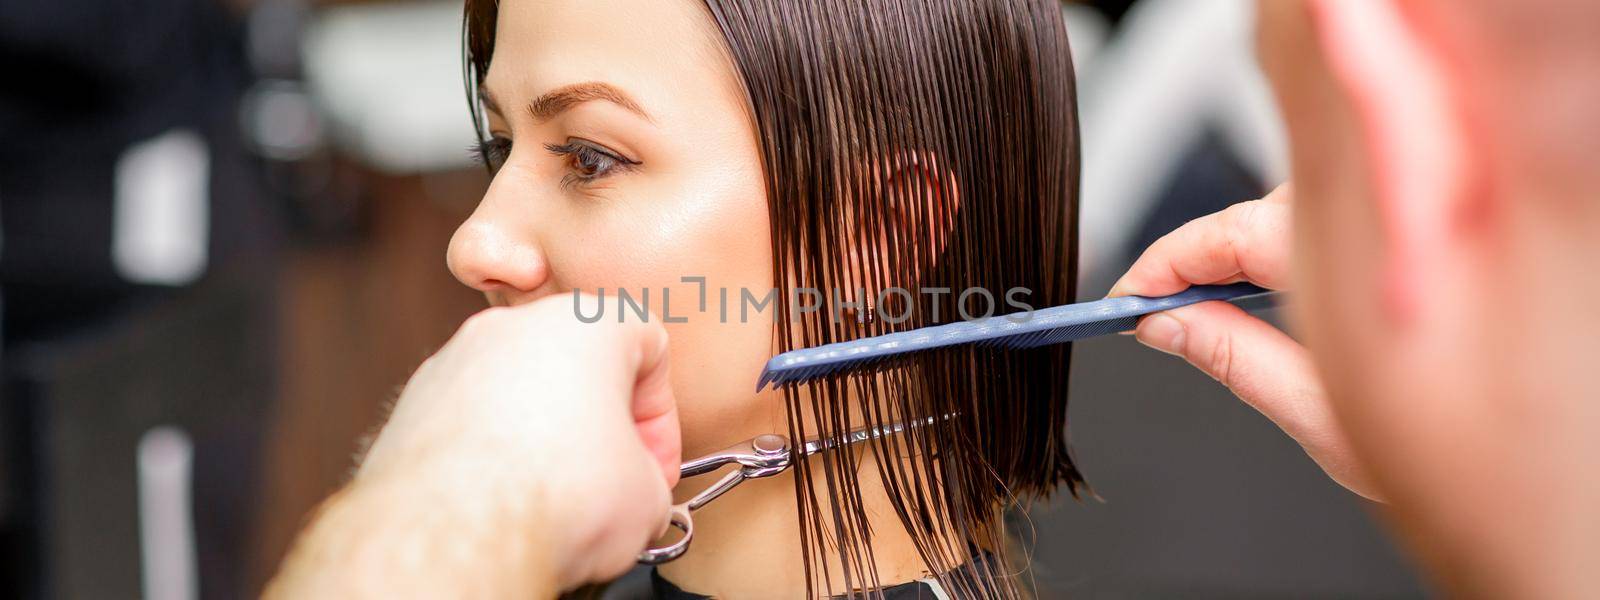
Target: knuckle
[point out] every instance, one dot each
(1221, 360)
(557, 304)
(1250, 231)
(653, 328)
(1241, 219)
(483, 319)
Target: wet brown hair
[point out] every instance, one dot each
(911, 144)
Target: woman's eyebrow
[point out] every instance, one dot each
(555, 101)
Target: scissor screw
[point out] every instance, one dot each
(770, 444)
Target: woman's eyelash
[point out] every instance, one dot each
(491, 153)
(588, 161)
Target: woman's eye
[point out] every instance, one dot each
(493, 152)
(588, 161)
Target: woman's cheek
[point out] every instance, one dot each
(723, 248)
(668, 244)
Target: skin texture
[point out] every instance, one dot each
(1441, 258)
(489, 481)
(693, 206)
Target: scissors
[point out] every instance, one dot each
(761, 456)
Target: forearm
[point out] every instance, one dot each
(426, 532)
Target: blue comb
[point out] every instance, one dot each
(1042, 328)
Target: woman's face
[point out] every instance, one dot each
(630, 162)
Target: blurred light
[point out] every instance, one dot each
(389, 76)
(161, 217)
(1086, 34)
(281, 120)
(1174, 68)
(166, 524)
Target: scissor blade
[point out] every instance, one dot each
(864, 434)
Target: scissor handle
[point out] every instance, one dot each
(761, 456)
(678, 517)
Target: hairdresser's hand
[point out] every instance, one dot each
(1263, 366)
(533, 453)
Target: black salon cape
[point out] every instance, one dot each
(661, 589)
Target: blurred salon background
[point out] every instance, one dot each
(222, 233)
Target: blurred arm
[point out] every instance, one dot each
(438, 531)
(531, 455)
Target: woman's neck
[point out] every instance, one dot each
(747, 543)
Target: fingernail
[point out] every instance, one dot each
(1163, 333)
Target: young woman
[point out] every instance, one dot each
(910, 162)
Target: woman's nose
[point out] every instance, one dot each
(498, 257)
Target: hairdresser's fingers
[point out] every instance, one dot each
(611, 405)
(1248, 241)
(1265, 368)
(630, 356)
(655, 410)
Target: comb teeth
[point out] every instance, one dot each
(1042, 327)
(1069, 333)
